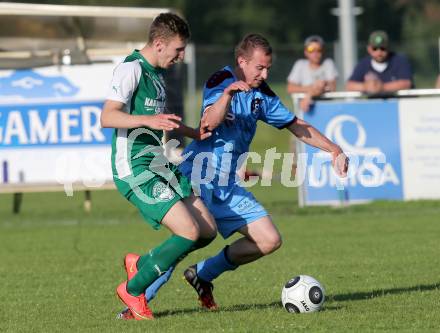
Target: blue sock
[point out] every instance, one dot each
(211, 268)
(153, 288)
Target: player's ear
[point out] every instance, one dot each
(158, 44)
(241, 61)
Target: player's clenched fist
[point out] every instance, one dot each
(237, 86)
(340, 162)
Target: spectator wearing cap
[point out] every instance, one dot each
(382, 70)
(313, 75)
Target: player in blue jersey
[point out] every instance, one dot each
(234, 100)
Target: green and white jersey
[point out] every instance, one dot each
(140, 86)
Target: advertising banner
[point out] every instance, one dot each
(368, 132)
(420, 147)
(393, 146)
(49, 125)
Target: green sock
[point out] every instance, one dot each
(157, 262)
(200, 243)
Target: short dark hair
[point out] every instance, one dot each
(168, 25)
(251, 42)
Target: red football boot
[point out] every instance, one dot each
(137, 304)
(130, 262)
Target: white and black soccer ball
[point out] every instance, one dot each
(302, 294)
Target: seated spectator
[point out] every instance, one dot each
(312, 75)
(382, 70)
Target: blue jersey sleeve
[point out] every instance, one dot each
(274, 112)
(215, 86)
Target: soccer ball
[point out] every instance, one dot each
(302, 294)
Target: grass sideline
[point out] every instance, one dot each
(378, 262)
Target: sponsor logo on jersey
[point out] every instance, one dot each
(159, 86)
(154, 103)
(158, 104)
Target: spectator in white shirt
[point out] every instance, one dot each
(313, 75)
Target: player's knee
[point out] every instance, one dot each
(192, 231)
(211, 228)
(196, 231)
(208, 228)
(205, 240)
(277, 244)
(210, 233)
(271, 243)
(210, 237)
(207, 233)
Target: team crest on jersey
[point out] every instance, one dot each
(256, 106)
(162, 192)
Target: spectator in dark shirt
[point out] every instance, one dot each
(382, 70)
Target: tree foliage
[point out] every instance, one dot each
(290, 21)
(413, 26)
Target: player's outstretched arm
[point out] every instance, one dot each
(311, 136)
(216, 113)
(200, 133)
(114, 116)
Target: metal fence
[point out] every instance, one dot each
(424, 58)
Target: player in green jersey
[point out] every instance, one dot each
(135, 107)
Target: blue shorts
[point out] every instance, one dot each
(239, 209)
(235, 210)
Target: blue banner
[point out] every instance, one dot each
(368, 131)
(28, 83)
(52, 124)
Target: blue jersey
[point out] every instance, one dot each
(230, 141)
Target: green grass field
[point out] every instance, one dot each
(378, 262)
